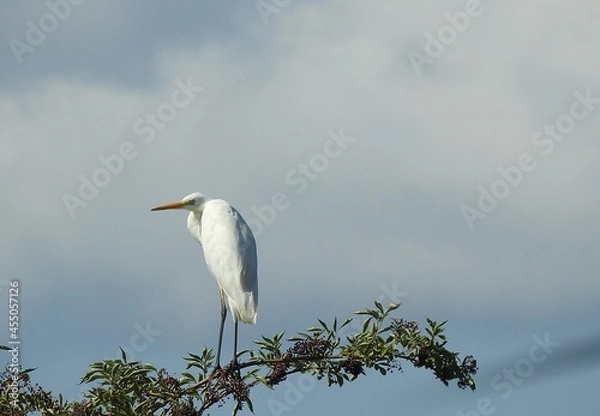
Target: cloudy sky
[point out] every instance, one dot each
(443, 154)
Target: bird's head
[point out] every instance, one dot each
(191, 202)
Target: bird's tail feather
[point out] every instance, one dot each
(246, 310)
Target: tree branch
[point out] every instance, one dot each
(329, 352)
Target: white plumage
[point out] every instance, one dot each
(230, 254)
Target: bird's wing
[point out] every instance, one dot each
(230, 253)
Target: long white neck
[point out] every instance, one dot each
(194, 225)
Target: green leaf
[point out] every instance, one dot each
(250, 405)
(392, 307)
(188, 376)
(123, 355)
(365, 324)
(194, 356)
(91, 376)
(346, 322)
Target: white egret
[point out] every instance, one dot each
(230, 253)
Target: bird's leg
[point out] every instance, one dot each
(223, 316)
(235, 342)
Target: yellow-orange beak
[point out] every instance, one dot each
(172, 205)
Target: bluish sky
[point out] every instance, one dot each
(443, 154)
